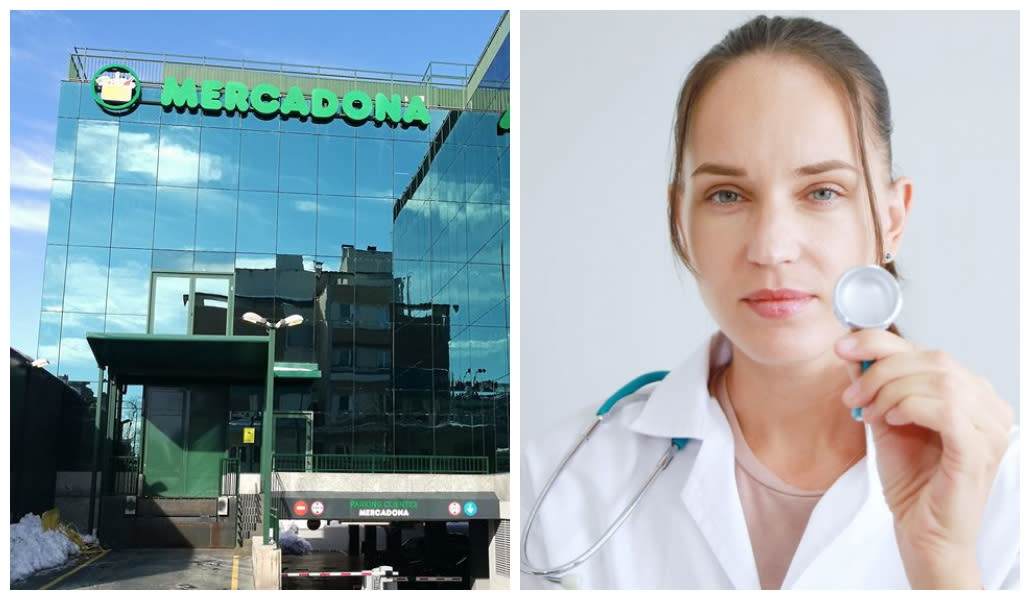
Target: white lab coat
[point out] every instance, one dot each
(689, 531)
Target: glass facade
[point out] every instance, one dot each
(391, 242)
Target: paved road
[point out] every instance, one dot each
(154, 569)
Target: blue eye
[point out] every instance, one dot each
(725, 197)
(825, 194)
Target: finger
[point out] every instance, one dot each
(885, 370)
(929, 412)
(889, 395)
(958, 393)
(871, 344)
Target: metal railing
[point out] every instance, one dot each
(125, 475)
(376, 463)
(229, 485)
(442, 86)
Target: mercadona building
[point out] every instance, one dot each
(289, 288)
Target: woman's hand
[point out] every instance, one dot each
(940, 433)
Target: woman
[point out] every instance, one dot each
(781, 182)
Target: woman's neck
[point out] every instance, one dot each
(792, 417)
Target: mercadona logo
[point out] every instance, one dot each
(116, 87)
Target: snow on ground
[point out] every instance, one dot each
(33, 549)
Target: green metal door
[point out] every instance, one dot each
(184, 441)
(164, 411)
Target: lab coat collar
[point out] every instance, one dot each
(680, 405)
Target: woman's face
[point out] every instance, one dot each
(774, 200)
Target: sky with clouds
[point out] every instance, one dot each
(41, 42)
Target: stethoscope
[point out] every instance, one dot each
(864, 297)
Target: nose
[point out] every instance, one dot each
(774, 232)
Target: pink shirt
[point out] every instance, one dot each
(775, 511)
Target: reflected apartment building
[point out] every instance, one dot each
(374, 205)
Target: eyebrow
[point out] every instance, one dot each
(812, 169)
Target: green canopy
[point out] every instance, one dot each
(137, 358)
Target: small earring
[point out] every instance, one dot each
(888, 256)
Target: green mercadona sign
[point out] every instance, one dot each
(264, 99)
(116, 88)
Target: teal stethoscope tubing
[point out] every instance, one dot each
(856, 413)
(555, 573)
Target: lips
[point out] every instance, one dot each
(778, 304)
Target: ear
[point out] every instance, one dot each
(899, 202)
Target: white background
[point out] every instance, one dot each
(602, 296)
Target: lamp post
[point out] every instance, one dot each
(267, 420)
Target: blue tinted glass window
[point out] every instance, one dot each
(149, 108)
(460, 356)
(91, 214)
(484, 221)
(95, 151)
(173, 260)
(374, 225)
(259, 161)
(335, 225)
(298, 124)
(137, 153)
(64, 151)
(175, 218)
(416, 133)
(60, 212)
(456, 295)
(451, 239)
(489, 351)
(252, 120)
(255, 261)
(335, 165)
(371, 129)
(487, 289)
(77, 360)
(181, 116)
(407, 160)
(374, 167)
(170, 314)
(85, 283)
(296, 231)
(297, 163)
(53, 276)
(180, 156)
(216, 220)
(222, 120)
(257, 215)
(498, 316)
(441, 274)
(219, 158)
(49, 339)
(68, 104)
(133, 216)
(411, 230)
(126, 324)
(214, 262)
(128, 282)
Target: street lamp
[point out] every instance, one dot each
(266, 419)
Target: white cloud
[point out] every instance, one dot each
(28, 215)
(29, 171)
(305, 206)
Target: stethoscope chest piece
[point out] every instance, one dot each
(867, 297)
